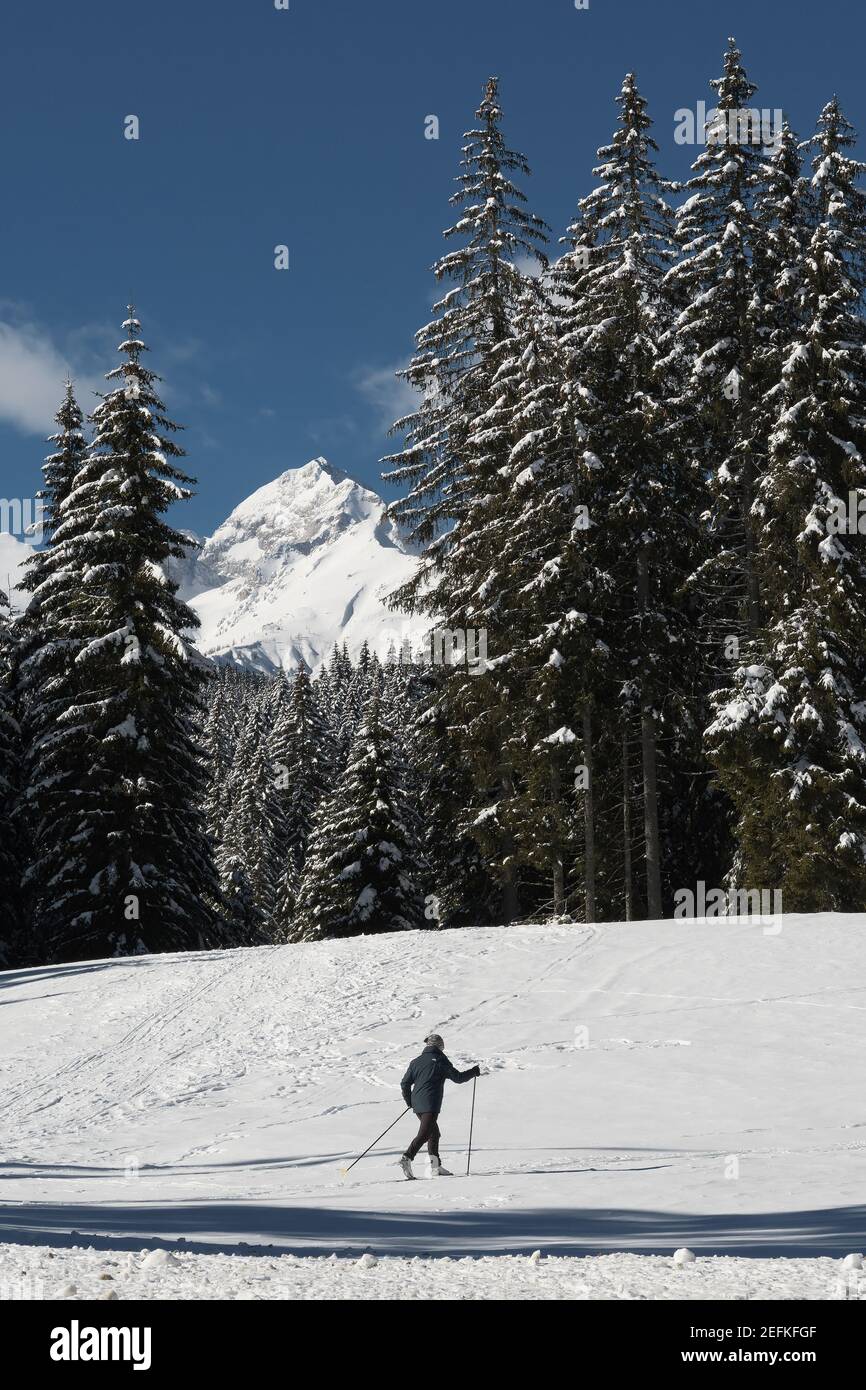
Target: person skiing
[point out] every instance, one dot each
(422, 1088)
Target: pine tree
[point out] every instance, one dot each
(60, 468)
(121, 861)
(458, 442)
(46, 649)
(790, 737)
(303, 757)
(337, 705)
(490, 706)
(11, 923)
(244, 918)
(362, 864)
(713, 352)
(254, 831)
(448, 461)
(616, 315)
(784, 212)
(42, 657)
(219, 743)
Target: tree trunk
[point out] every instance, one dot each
(558, 868)
(558, 887)
(626, 826)
(589, 817)
(650, 790)
(751, 577)
(651, 816)
(510, 901)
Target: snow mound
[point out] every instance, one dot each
(158, 1260)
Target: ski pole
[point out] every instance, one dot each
(471, 1122)
(344, 1171)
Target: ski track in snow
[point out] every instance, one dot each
(650, 1085)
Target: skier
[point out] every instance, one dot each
(422, 1088)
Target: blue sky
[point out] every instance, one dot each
(261, 126)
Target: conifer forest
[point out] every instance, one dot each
(633, 477)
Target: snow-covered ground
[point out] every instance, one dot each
(34, 1272)
(651, 1086)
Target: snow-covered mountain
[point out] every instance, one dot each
(306, 561)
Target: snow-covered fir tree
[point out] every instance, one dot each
(44, 655)
(58, 471)
(338, 709)
(219, 743)
(11, 839)
(253, 831)
(712, 347)
(302, 754)
(458, 355)
(457, 443)
(362, 871)
(616, 314)
(121, 862)
(784, 212)
(45, 649)
(245, 920)
(790, 736)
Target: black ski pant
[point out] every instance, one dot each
(428, 1133)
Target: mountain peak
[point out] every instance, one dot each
(318, 466)
(305, 561)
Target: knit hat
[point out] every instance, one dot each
(434, 1040)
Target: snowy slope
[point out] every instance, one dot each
(304, 562)
(651, 1086)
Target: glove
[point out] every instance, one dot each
(476, 1071)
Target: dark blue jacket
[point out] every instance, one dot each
(424, 1082)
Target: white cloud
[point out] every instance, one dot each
(33, 371)
(390, 395)
(530, 266)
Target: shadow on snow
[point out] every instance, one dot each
(251, 1228)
